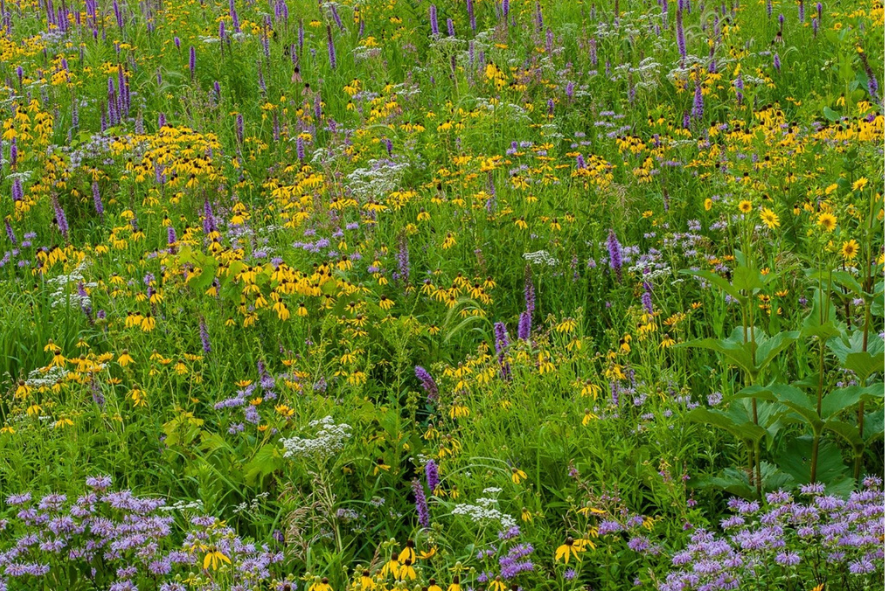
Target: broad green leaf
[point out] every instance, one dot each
(770, 348)
(821, 323)
(796, 460)
(715, 279)
(739, 426)
(844, 399)
(798, 401)
(847, 432)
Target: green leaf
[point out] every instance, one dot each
(266, 460)
(735, 420)
(797, 458)
(847, 432)
(747, 279)
(831, 114)
(844, 399)
(715, 279)
(770, 348)
(820, 323)
(798, 401)
(738, 353)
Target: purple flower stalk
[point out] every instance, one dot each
(60, 217)
(330, 46)
(432, 14)
(432, 475)
(97, 199)
(421, 504)
(524, 327)
(647, 297)
(698, 103)
(427, 382)
(614, 254)
(204, 337)
(9, 233)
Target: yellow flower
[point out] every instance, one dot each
(455, 586)
(827, 221)
(386, 303)
(526, 515)
(213, 558)
(22, 390)
(849, 250)
(745, 206)
(568, 549)
(517, 475)
(497, 585)
(408, 553)
(589, 416)
(769, 218)
(320, 585)
(859, 184)
(708, 204)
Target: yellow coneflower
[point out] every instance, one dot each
(849, 250)
(408, 553)
(566, 550)
(770, 218)
(517, 475)
(526, 515)
(827, 221)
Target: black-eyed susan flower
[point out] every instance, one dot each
(566, 550)
(517, 475)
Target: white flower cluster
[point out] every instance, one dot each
(381, 178)
(183, 506)
(330, 439)
(45, 378)
(541, 257)
(61, 295)
(484, 511)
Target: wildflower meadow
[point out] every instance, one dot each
(441, 295)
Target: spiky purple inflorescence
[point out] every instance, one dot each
(614, 254)
(97, 199)
(421, 504)
(432, 15)
(647, 297)
(204, 337)
(9, 233)
(432, 475)
(776, 62)
(60, 217)
(698, 103)
(330, 47)
(427, 382)
(192, 60)
(524, 327)
(501, 338)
